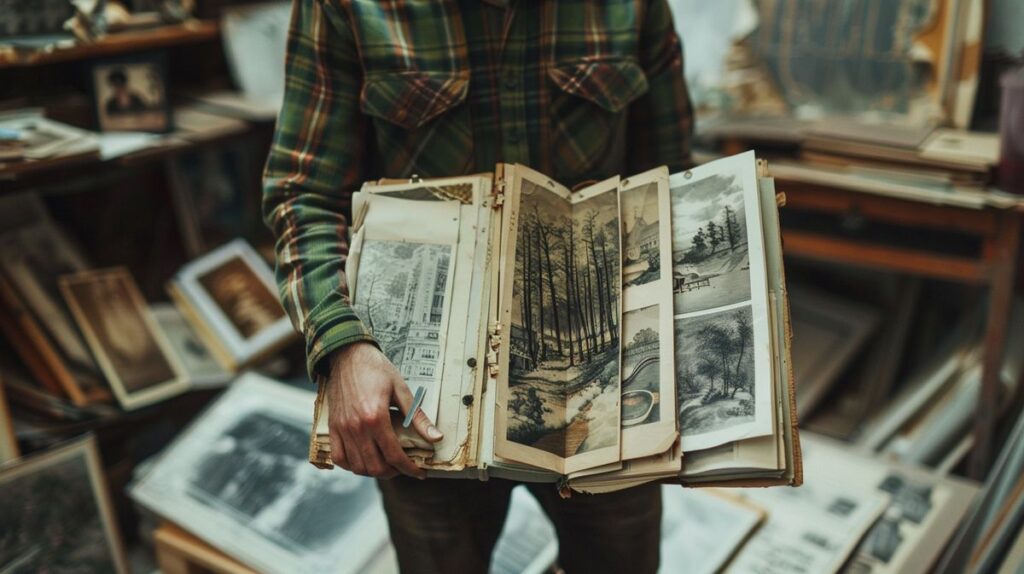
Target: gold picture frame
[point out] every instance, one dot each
(129, 346)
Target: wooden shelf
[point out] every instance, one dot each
(118, 44)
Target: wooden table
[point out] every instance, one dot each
(994, 266)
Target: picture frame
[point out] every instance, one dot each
(8, 440)
(35, 318)
(201, 366)
(62, 492)
(230, 297)
(237, 479)
(134, 354)
(131, 94)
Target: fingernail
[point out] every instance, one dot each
(433, 433)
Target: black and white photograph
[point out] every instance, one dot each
(641, 238)
(132, 351)
(131, 95)
(242, 296)
(641, 372)
(715, 371)
(564, 380)
(195, 357)
(401, 297)
(253, 472)
(55, 514)
(710, 255)
(238, 478)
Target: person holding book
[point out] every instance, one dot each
(580, 90)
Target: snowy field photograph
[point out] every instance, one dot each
(710, 257)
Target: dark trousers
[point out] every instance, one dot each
(447, 526)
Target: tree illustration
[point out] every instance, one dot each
(530, 406)
(732, 228)
(714, 235)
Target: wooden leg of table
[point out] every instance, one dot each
(1003, 270)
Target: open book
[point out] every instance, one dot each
(593, 337)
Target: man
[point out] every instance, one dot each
(579, 90)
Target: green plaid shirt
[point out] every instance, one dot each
(577, 89)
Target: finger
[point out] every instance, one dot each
(338, 451)
(388, 444)
(353, 454)
(371, 456)
(403, 397)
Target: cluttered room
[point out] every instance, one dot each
(511, 286)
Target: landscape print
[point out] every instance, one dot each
(641, 371)
(564, 378)
(641, 261)
(710, 256)
(400, 297)
(715, 371)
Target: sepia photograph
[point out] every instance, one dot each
(564, 380)
(641, 224)
(238, 478)
(56, 516)
(710, 256)
(641, 372)
(201, 367)
(401, 296)
(132, 351)
(8, 440)
(715, 371)
(242, 296)
(131, 95)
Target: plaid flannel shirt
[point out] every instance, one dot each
(576, 89)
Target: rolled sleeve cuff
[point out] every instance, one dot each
(331, 333)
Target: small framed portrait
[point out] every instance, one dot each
(131, 95)
(134, 354)
(56, 513)
(231, 295)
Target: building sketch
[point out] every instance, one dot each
(400, 297)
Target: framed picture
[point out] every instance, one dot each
(230, 295)
(34, 316)
(238, 479)
(200, 365)
(131, 95)
(8, 440)
(55, 514)
(131, 349)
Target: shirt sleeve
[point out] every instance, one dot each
(315, 162)
(660, 121)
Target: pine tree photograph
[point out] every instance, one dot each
(710, 256)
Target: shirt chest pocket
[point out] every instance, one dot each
(421, 122)
(590, 99)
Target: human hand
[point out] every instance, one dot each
(360, 389)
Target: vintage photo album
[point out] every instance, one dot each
(630, 331)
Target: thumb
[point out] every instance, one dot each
(403, 397)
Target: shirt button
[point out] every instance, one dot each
(511, 82)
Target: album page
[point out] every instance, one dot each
(723, 355)
(649, 423)
(559, 380)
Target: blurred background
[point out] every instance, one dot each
(132, 140)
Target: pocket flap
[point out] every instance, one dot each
(611, 84)
(411, 99)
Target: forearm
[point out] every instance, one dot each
(310, 174)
